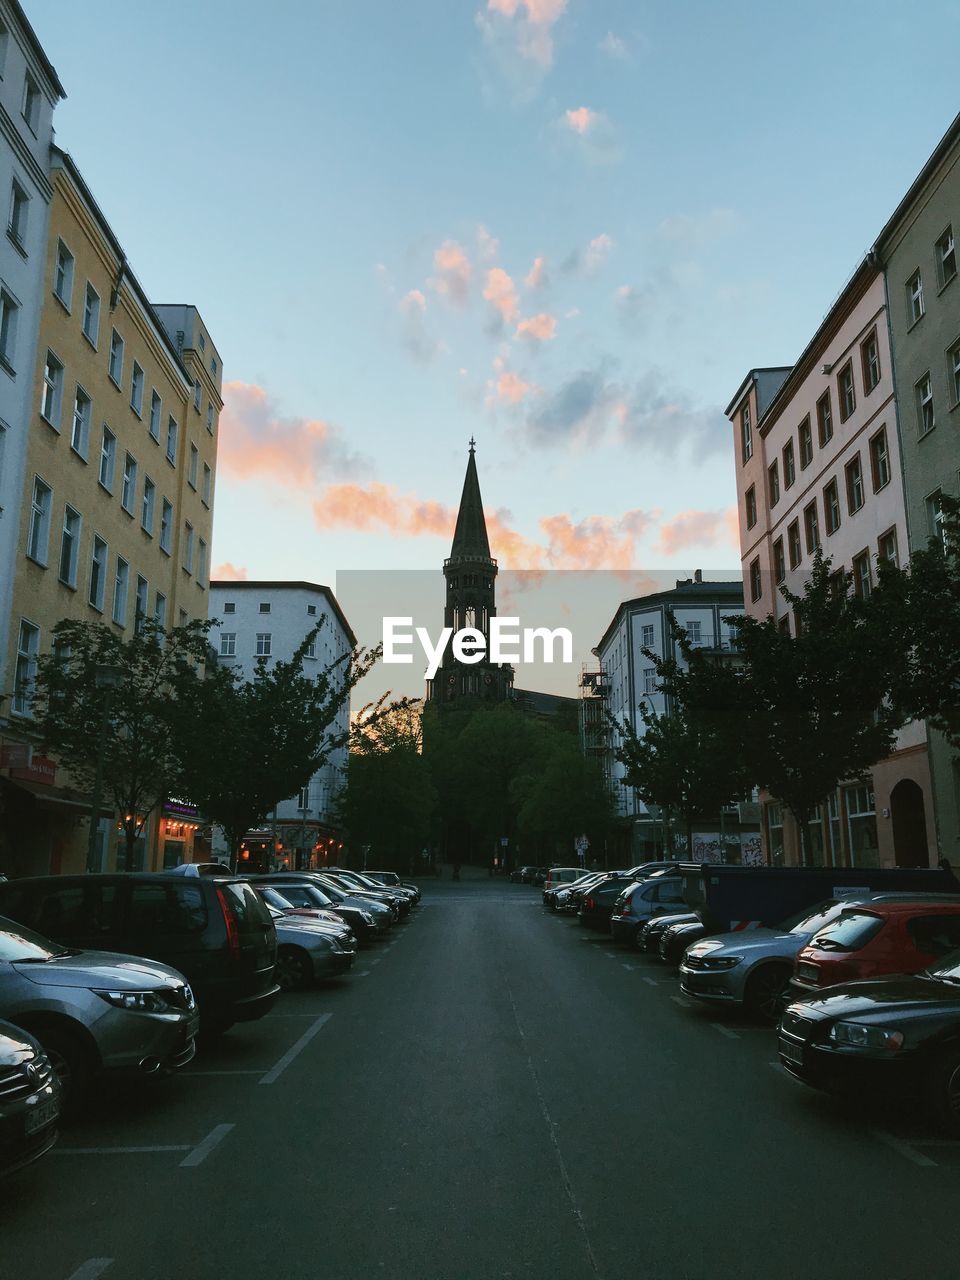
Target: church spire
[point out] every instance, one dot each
(470, 536)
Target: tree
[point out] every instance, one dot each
(245, 745)
(565, 797)
(124, 728)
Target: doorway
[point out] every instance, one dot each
(909, 825)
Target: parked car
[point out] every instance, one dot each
(276, 899)
(308, 950)
(30, 1095)
(390, 877)
(634, 904)
(676, 937)
(214, 930)
(899, 1033)
(561, 875)
(878, 938)
(343, 901)
(522, 875)
(648, 939)
(309, 896)
(597, 903)
(396, 894)
(95, 1011)
(382, 899)
(559, 895)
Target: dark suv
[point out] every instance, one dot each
(217, 932)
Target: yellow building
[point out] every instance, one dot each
(117, 507)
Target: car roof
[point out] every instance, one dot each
(925, 907)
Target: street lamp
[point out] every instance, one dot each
(106, 677)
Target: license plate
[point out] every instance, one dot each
(40, 1116)
(792, 1052)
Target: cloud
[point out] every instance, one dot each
(488, 246)
(591, 133)
(536, 277)
(596, 542)
(634, 304)
(453, 268)
(590, 258)
(699, 229)
(512, 389)
(579, 410)
(538, 328)
(530, 23)
(379, 506)
(614, 47)
(581, 120)
(499, 290)
(699, 528)
(257, 443)
(228, 572)
(416, 339)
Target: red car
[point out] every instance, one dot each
(875, 940)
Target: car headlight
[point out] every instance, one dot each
(721, 962)
(368, 918)
(703, 948)
(859, 1035)
(139, 1001)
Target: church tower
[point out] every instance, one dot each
(471, 574)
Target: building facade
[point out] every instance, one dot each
(818, 468)
(271, 620)
(116, 509)
(917, 250)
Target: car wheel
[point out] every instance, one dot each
(765, 990)
(945, 1091)
(71, 1061)
(294, 970)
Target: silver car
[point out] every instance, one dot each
(95, 1011)
(752, 969)
(309, 949)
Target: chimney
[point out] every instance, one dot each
(698, 575)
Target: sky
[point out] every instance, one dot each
(566, 228)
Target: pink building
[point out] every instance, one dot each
(819, 466)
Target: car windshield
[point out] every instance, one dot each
(850, 932)
(274, 898)
(304, 895)
(810, 919)
(335, 893)
(947, 969)
(22, 946)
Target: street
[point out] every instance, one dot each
(492, 1093)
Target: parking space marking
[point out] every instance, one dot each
(904, 1149)
(377, 961)
(364, 973)
(631, 967)
(725, 1031)
(118, 1151)
(92, 1268)
(276, 1071)
(651, 982)
(680, 1001)
(250, 1071)
(203, 1149)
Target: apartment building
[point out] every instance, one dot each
(29, 92)
(917, 250)
(271, 620)
(116, 510)
(818, 468)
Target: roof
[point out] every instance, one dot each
(233, 584)
(946, 143)
(683, 593)
(470, 540)
(751, 377)
(37, 47)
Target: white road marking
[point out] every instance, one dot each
(651, 982)
(92, 1268)
(117, 1151)
(725, 1031)
(610, 955)
(631, 967)
(364, 973)
(250, 1071)
(276, 1071)
(680, 1001)
(203, 1149)
(377, 961)
(904, 1149)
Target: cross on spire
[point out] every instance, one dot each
(473, 445)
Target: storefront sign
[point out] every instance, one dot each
(41, 769)
(16, 755)
(181, 809)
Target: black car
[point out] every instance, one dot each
(306, 892)
(597, 903)
(648, 938)
(676, 937)
(214, 930)
(29, 1100)
(389, 878)
(899, 1033)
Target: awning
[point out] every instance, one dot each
(57, 799)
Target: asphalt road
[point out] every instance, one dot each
(493, 1094)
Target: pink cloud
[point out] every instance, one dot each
(538, 328)
(534, 20)
(536, 277)
(512, 388)
(501, 293)
(582, 120)
(228, 572)
(453, 272)
(698, 528)
(413, 301)
(598, 250)
(488, 245)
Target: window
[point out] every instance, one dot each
(811, 527)
(181, 617)
(51, 398)
(230, 607)
(194, 465)
(9, 314)
(879, 459)
(789, 465)
(228, 644)
(303, 802)
(750, 503)
(783, 626)
(31, 102)
(38, 535)
(120, 583)
(172, 441)
(311, 648)
(946, 257)
(210, 417)
(746, 433)
(853, 472)
(779, 561)
(202, 342)
(166, 525)
(845, 389)
(925, 414)
(197, 395)
(213, 367)
(116, 358)
(98, 572)
(649, 680)
(774, 816)
(694, 631)
(136, 390)
(160, 610)
(870, 360)
(934, 506)
(824, 419)
(955, 372)
(188, 546)
(793, 544)
(69, 547)
(312, 610)
(91, 314)
(773, 484)
(28, 646)
(647, 635)
(128, 492)
(108, 456)
(887, 547)
(201, 562)
(861, 575)
(147, 508)
(264, 608)
(140, 604)
(864, 846)
(805, 437)
(914, 297)
(831, 507)
(19, 207)
(756, 581)
(155, 408)
(80, 425)
(207, 483)
(263, 644)
(63, 275)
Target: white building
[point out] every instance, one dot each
(271, 620)
(29, 92)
